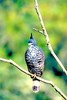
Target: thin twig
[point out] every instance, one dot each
(44, 32)
(40, 79)
(38, 30)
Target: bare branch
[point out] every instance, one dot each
(16, 65)
(47, 38)
(42, 80)
(37, 30)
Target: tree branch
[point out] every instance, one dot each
(38, 30)
(44, 32)
(40, 79)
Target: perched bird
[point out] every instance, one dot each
(34, 58)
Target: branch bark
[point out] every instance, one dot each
(44, 32)
(42, 80)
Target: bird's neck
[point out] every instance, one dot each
(31, 45)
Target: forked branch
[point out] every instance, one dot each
(44, 32)
(42, 80)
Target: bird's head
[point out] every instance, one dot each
(31, 41)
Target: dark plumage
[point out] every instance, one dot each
(34, 58)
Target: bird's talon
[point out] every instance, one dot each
(33, 76)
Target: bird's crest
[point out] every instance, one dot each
(32, 41)
(31, 37)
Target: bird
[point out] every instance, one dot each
(34, 58)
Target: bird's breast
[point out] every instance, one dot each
(32, 51)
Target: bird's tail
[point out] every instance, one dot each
(36, 86)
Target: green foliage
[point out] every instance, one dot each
(17, 18)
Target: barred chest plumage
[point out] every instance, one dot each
(35, 60)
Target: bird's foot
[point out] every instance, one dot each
(33, 76)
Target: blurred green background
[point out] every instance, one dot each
(17, 18)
